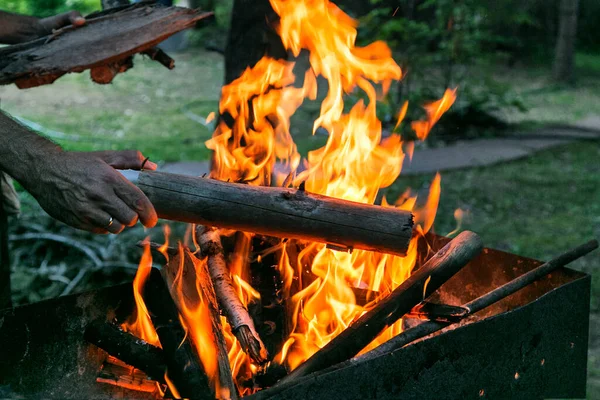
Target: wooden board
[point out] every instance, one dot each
(107, 38)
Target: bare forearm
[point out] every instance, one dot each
(21, 150)
(16, 28)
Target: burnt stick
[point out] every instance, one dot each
(279, 212)
(184, 285)
(427, 279)
(429, 327)
(236, 313)
(183, 364)
(127, 348)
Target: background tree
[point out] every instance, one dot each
(564, 61)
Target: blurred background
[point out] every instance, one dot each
(525, 128)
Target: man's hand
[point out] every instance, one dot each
(47, 25)
(16, 28)
(85, 191)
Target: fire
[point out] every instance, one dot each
(355, 164)
(141, 326)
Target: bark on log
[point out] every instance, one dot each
(190, 274)
(278, 212)
(127, 348)
(183, 364)
(426, 280)
(108, 38)
(237, 315)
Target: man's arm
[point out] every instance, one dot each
(15, 28)
(80, 189)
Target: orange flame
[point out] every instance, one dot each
(142, 326)
(434, 111)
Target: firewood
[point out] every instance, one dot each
(184, 368)
(427, 279)
(279, 212)
(104, 45)
(127, 348)
(237, 315)
(191, 273)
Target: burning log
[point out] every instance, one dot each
(127, 348)
(186, 277)
(183, 365)
(427, 328)
(237, 315)
(427, 279)
(278, 212)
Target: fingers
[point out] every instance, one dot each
(60, 21)
(125, 159)
(136, 200)
(98, 221)
(121, 212)
(76, 19)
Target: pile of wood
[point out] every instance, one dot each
(180, 357)
(103, 45)
(166, 295)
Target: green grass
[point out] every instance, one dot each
(143, 108)
(551, 102)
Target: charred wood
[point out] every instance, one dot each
(280, 212)
(236, 313)
(184, 368)
(185, 276)
(127, 348)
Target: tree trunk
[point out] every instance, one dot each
(5, 290)
(564, 62)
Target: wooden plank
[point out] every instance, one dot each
(107, 38)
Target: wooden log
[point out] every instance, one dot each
(278, 212)
(127, 348)
(184, 368)
(427, 279)
(105, 42)
(185, 276)
(236, 313)
(160, 56)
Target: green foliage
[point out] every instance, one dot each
(588, 34)
(45, 8)
(213, 34)
(439, 44)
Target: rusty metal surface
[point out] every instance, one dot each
(541, 333)
(43, 353)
